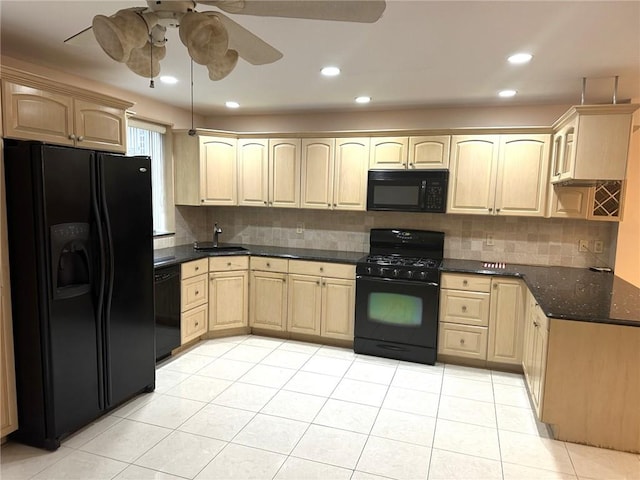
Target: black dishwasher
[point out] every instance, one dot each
(167, 305)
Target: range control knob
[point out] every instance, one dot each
(369, 270)
(410, 274)
(382, 271)
(423, 275)
(396, 272)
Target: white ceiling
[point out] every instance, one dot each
(419, 54)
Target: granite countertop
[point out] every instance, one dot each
(562, 292)
(567, 292)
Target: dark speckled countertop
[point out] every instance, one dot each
(567, 292)
(562, 292)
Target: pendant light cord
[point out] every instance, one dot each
(151, 82)
(192, 132)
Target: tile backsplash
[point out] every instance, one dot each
(537, 241)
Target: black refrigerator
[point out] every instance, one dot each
(81, 257)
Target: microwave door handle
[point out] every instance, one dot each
(423, 194)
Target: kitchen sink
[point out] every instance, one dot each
(209, 247)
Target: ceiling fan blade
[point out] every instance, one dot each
(364, 11)
(250, 47)
(82, 38)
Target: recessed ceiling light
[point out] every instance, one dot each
(518, 58)
(232, 104)
(168, 79)
(507, 93)
(330, 71)
(363, 99)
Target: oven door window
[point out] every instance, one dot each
(395, 309)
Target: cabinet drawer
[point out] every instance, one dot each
(193, 292)
(197, 267)
(193, 323)
(468, 308)
(224, 264)
(475, 283)
(322, 269)
(462, 341)
(269, 264)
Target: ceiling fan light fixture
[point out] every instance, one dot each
(223, 66)
(330, 71)
(204, 36)
(120, 34)
(363, 99)
(145, 61)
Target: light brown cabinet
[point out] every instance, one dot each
(321, 299)
(269, 172)
(194, 299)
(534, 361)
(416, 152)
(268, 293)
(228, 292)
(205, 170)
(334, 173)
(499, 174)
(36, 109)
(506, 321)
(591, 143)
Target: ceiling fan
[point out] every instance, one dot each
(137, 36)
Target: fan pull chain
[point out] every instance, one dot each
(151, 82)
(192, 132)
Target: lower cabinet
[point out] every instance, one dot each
(268, 293)
(321, 299)
(534, 362)
(228, 292)
(194, 300)
(481, 317)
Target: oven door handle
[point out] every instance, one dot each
(395, 280)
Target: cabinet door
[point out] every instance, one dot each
(33, 114)
(557, 150)
(99, 127)
(317, 172)
(304, 305)
(193, 292)
(506, 321)
(523, 166)
(528, 345)
(568, 202)
(268, 299)
(338, 308)
(472, 177)
(388, 153)
(193, 323)
(429, 151)
(284, 172)
(253, 172)
(218, 171)
(228, 300)
(350, 176)
(462, 340)
(539, 361)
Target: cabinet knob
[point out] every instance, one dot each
(228, 264)
(411, 165)
(265, 202)
(197, 268)
(329, 205)
(324, 284)
(317, 282)
(72, 136)
(464, 308)
(536, 324)
(322, 269)
(80, 138)
(465, 283)
(462, 341)
(490, 209)
(495, 286)
(268, 264)
(335, 204)
(197, 292)
(197, 323)
(498, 210)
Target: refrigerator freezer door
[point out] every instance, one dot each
(125, 198)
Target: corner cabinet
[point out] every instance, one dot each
(268, 293)
(205, 169)
(499, 174)
(534, 361)
(591, 143)
(228, 292)
(506, 321)
(35, 108)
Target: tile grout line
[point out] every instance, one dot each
(435, 425)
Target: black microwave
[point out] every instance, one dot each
(407, 190)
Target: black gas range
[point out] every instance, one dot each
(397, 295)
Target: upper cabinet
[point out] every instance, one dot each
(269, 172)
(591, 144)
(499, 174)
(416, 152)
(37, 109)
(205, 170)
(334, 173)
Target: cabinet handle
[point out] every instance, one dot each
(265, 202)
(197, 268)
(318, 282)
(490, 209)
(464, 308)
(498, 210)
(72, 136)
(329, 205)
(268, 264)
(80, 138)
(411, 165)
(495, 286)
(322, 269)
(228, 264)
(335, 204)
(462, 341)
(270, 203)
(465, 283)
(536, 324)
(324, 284)
(197, 323)
(197, 292)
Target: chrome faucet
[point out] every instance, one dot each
(216, 231)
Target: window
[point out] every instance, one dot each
(150, 139)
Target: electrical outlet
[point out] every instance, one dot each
(583, 246)
(598, 246)
(489, 240)
(300, 228)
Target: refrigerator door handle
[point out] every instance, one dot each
(101, 289)
(109, 275)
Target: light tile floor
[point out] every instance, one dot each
(255, 407)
